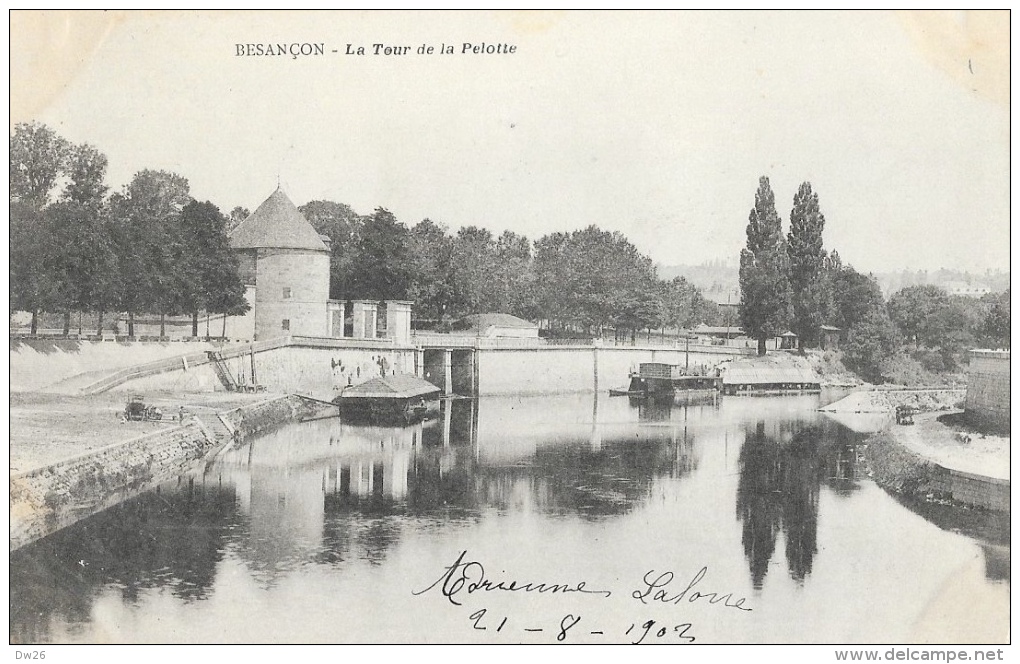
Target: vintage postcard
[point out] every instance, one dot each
(507, 327)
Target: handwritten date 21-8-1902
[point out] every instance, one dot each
(466, 577)
(571, 625)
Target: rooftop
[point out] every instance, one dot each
(398, 386)
(276, 224)
(762, 371)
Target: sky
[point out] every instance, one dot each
(655, 124)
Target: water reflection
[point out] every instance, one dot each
(170, 538)
(783, 464)
(324, 498)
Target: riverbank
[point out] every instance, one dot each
(931, 461)
(886, 400)
(47, 428)
(52, 495)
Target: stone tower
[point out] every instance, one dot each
(285, 267)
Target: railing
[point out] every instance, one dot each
(433, 340)
(445, 340)
(170, 363)
(226, 353)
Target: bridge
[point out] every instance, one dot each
(457, 364)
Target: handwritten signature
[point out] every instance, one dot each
(659, 583)
(470, 577)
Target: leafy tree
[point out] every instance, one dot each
(941, 327)
(214, 282)
(239, 214)
(996, 325)
(473, 266)
(513, 275)
(550, 270)
(379, 269)
(86, 171)
(635, 301)
(84, 260)
(869, 343)
(151, 247)
(430, 256)
(33, 287)
(854, 296)
(37, 158)
(683, 304)
(764, 285)
(807, 263)
(343, 226)
(919, 312)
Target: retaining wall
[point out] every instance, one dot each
(554, 369)
(39, 363)
(46, 499)
(988, 389)
(902, 471)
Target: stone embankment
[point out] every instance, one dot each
(51, 497)
(930, 462)
(886, 400)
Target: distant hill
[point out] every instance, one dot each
(995, 280)
(718, 278)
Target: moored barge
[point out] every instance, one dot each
(397, 399)
(654, 379)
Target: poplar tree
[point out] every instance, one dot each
(807, 262)
(764, 285)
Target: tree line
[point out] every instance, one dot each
(584, 282)
(152, 249)
(790, 282)
(149, 248)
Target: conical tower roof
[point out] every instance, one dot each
(276, 224)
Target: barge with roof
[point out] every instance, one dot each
(657, 379)
(397, 399)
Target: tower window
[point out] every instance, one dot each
(286, 293)
(286, 323)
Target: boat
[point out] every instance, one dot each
(396, 399)
(655, 379)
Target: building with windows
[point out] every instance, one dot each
(285, 269)
(284, 264)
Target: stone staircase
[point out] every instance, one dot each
(216, 428)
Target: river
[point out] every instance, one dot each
(523, 520)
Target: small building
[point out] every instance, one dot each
(788, 340)
(497, 325)
(965, 289)
(396, 399)
(719, 332)
(829, 337)
(760, 376)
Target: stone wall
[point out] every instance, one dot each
(323, 371)
(258, 417)
(905, 472)
(988, 389)
(552, 369)
(47, 499)
(318, 367)
(40, 363)
(293, 286)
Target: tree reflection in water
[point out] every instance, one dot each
(171, 538)
(777, 491)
